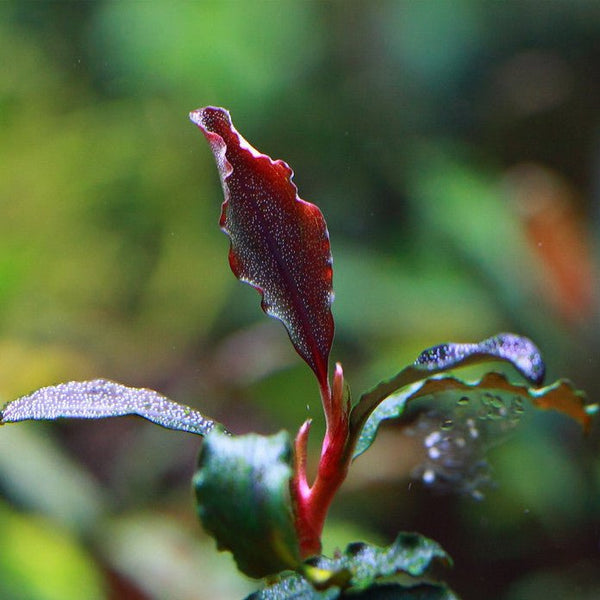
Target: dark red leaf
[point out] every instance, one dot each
(279, 243)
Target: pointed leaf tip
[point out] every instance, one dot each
(491, 400)
(279, 243)
(517, 350)
(520, 351)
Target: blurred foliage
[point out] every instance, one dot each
(454, 150)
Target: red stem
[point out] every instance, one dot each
(312, 502)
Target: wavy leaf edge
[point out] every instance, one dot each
(102, 398)
(561, 396)
(518, 351)
(279, 243)
(360, 567)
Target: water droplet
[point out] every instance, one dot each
(446, 425)
(483, 415)
(517, 405)
(496, 402)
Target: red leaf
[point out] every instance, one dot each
(279, 243)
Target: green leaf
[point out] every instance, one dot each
(364, 571)
(98, 399)
(492, 398)
(519, 351)
(242, 489)
(296, 587)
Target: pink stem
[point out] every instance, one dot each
(312, 502)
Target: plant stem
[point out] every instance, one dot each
(312, 502)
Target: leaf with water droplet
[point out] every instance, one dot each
(243, 499)
(279, 243)
(364, 571)
(493, 390)
(518, 351)
(98, 399)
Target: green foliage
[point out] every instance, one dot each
(518, 351)
(492, 398)
(104, 237)
(362, 567)
(99, 399)
(242, 490)
(40, 561)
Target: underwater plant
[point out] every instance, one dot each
(254, 493)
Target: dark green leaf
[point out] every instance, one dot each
(98, 399)
(410, 553)
(242, 488)
(364, 570)
(492, 398)
(519, 351)
(296, 587)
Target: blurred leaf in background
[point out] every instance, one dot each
(453, 148)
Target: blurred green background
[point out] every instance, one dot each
(454, 148)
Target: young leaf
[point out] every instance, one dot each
(364, 567)
(279, 243)
(519, 351)
(492, 398)
(98, 399)
(242, 490)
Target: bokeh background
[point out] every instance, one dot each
(454, 147)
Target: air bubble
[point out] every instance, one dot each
(473, 431)
(434, 453)
(428, 476)
(432, 439)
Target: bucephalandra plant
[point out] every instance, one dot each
(254, 494)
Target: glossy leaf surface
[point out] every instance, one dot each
(296, 587)
(98, 399)
(359, 570)
(242, 490)
(279, 243)
(492, 398)
(518, 351)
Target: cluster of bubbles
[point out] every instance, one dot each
(455, 441)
